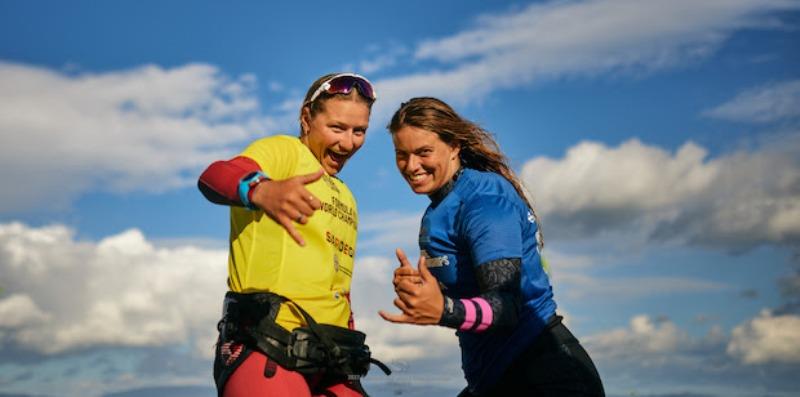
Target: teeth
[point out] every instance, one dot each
(338, 156)
(416, 177)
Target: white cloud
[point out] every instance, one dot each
(65, 294)
(384, 231)
(19, 310)
(153, 129)
(736, 200)
(62, 294)
(382, 60)
(771, 102)
(372, 291)
(651, 342)
(576, 286)
(643, 335)
(147, 128)
(574, 38)
(767, 338)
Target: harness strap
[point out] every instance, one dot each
(298, 350)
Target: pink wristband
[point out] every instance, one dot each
(486, 314)
(470, 316)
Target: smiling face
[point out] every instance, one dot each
(423, 159)
(336, 133)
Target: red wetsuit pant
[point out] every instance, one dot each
(249, 380)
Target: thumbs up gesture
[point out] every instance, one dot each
(418, 295)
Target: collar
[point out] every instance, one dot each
(442, 192)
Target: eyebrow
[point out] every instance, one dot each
(415, 150)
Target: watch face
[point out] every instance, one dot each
(256, 179)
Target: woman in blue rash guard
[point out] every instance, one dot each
(480, 270)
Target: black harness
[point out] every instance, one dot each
(311, 350)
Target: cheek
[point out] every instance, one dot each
(358, 141)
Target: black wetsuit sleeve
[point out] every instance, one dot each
(498, 303)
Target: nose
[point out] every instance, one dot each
(346, 143)
(412, 163)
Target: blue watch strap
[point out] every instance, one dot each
(248, 182)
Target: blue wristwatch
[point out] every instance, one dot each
(248, 183)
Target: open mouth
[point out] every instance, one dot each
(338, 158)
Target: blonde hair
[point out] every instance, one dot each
(318, 105)
(478, 149)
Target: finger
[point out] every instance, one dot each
(424, 272)
(308, 200)
(395, 318)
(313, 202)
(311, 178)
(401, 256)
(406, 272)
(287, 224)
(304, 207)
(414, 279)
(401, 304)
(407, 287)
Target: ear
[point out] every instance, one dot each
(305, 121)
(456, 152)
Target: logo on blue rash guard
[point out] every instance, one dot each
(438, 261)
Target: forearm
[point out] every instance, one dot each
(219, 183)
(496, 306)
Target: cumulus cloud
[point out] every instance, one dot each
(382, 232)
(372, 291)
(62, 294)
(19, 310)
(767, 338)
(734, 201)
(643, 335)
(771, 102)
(638, 356)
(151, 128)
(573, 38)
(146, 128)
(653, 342)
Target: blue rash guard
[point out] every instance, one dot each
(483, 219)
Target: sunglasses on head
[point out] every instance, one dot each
(343, 83)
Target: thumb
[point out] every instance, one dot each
(401, 256)
(313, 177)
(423, 270)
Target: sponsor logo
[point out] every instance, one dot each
(341, 211)
(437, 261)
(340, 245)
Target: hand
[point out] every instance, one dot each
(421, 303)
(405, 271)
(288, 201)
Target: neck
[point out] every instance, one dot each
(442, 192)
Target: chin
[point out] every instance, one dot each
(331, 170)
(420, 190)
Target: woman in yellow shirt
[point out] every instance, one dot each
(292, 242)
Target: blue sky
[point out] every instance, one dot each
(660, 141)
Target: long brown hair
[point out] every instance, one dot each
(478, 149)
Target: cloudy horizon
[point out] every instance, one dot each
(660, 142)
